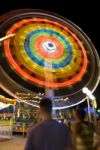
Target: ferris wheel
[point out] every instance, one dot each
(42, 52)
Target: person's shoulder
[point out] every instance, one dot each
(62, 125)
(35, 127)
(56, 123)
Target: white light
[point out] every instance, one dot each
(85, 89)
(49, 48)
(3, 106)
(91, 97)
(59, 121)
(6, 37)
(89, 93)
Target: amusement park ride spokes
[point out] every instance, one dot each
(6, 37)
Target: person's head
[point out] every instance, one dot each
(45, 108)
(80, 114)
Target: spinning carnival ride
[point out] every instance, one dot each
(46, 53)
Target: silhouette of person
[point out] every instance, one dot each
(82, 131)
(49, 134)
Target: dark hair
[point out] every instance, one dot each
(46, 104)
(80, 114)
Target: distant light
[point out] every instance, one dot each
(59, 121)
(98, 110)
(91, 109)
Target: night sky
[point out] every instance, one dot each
(86, 16)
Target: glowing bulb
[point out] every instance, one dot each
(85, 89)
(92, 97)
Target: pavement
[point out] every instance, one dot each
(16, 143)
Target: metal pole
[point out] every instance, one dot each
(49, 92)
(89, 113)
(94, 108)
